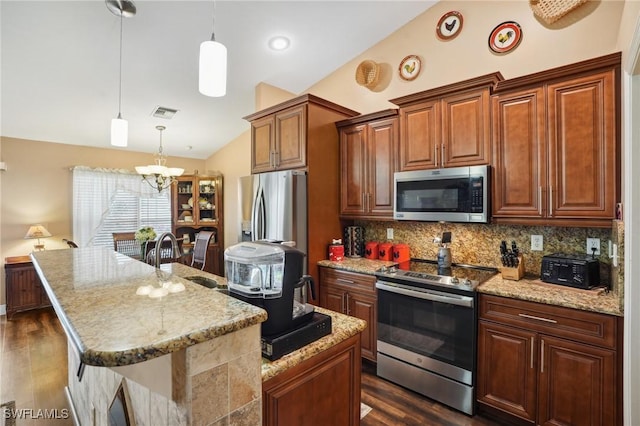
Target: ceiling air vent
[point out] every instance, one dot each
(164, 112)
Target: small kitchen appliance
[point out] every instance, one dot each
(571, 270)
(270, 275)
(354, 241)
(453, 194)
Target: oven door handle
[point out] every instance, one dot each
(452, 299)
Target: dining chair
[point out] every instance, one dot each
(125, 243)
(166, 252)
(70, 243)
(200, 249)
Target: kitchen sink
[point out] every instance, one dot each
(203, 281)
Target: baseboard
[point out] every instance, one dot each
(3, 309)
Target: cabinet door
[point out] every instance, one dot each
(364, 307)
(507, 371)
(382, 137)
(518, 159)
(333, 299)
(420, 136)
(23, 289)
(290, 139)
(466, 137)
(353, 152)
(262, 144)
(582, 146)
(577, 384)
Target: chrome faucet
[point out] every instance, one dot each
(175, 250)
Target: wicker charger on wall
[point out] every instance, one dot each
(552, 10)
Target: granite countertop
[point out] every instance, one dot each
(94, 293)
(357, 264)
(528, 288)
(534, 290)
(342, 328)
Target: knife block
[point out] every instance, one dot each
(513, 273)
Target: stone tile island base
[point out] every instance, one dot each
(217, 382)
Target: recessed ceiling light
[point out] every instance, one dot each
(279, 43)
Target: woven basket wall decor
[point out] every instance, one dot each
(552, 10)
(368, 74)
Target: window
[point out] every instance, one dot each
(108, 200)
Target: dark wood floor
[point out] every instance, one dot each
(33, 373)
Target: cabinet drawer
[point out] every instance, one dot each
(352, 280)
(583, 326)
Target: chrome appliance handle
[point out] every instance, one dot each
(421, 293)
(259, 216)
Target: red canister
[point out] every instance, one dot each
(385, 251)
(371, 250)
(336, 251)
(401, 253)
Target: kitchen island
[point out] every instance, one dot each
(190, 356)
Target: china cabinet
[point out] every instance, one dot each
(197, 206)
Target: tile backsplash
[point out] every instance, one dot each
(479, 244)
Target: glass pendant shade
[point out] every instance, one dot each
(119, 131)
(213, 69)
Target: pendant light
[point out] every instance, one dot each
(120, 126)
(158, 175)
(212, 79)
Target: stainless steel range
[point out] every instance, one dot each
(427, 329)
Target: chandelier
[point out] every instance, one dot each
(158, 175)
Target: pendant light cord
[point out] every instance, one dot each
(213, 22)
(120, 78)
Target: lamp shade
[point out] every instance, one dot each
(213, 69)
(37, 231)
(119, 131)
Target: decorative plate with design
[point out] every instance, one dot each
(449, 25)
(410, 67)
(505, 37)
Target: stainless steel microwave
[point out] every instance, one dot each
(456, 194)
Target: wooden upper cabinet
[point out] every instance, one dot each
(449, 126)
(278, 141)
(582, 146)
(519, 163)
(262, 143)
(367, 163)
(555, 148)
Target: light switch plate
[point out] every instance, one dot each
(537, 243)
(389, 233)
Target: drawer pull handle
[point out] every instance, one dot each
(537, 318)
(345, 281)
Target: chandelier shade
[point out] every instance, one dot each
(158, 175)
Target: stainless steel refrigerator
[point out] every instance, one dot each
(273, 207)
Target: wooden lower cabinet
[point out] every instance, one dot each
(352, 294)
(323, 390)
(535, 368)
(24, 290)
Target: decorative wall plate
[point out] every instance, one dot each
(449, 25)
(410, 67)
(505, 37)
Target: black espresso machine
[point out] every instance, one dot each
(269, 275)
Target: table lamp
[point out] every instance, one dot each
(37, 231)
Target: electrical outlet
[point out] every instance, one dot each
(389, 233)
(537, 243)
(593, 243)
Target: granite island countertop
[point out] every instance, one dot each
(342, 328)
(94, 293)
(528, 288)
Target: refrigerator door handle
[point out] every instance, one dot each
(259, 216)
